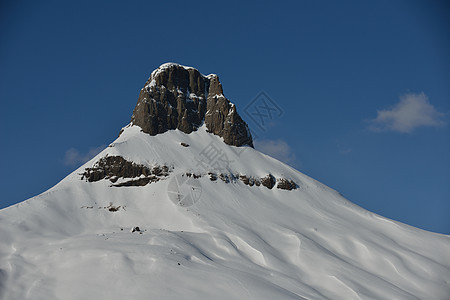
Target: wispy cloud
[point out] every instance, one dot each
(278, 149)
(342, 149)
(74, 158)
(413, 111)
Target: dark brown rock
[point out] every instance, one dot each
(223, 120)
(113, 208)
(115, 167)
(285, 184)
(177, 97)
(268, 181)
(250, 181)
(137, 182)
(225, 178)
(174, 97)
(244, 179)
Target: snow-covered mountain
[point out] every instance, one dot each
(180, 206)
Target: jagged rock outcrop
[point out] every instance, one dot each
(268, 181)
(116, 167)
(286, 184)
(178, 97)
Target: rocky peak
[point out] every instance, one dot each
(179, 97)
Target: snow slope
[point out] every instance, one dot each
(235, 242)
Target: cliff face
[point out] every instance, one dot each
(178, 97)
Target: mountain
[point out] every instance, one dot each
(180, 206)
(178, 97)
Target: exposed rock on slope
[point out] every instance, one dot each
(115, 167)
(268, 181)
(178, 97)
(285, 184)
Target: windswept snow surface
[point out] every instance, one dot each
(234, 242)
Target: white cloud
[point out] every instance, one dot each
(413, 111)
(278, 149)
(74, 158)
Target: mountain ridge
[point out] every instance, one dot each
(159, 216)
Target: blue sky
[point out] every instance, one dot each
(363, 87)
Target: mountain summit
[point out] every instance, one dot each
(175, 209)
(179, 97)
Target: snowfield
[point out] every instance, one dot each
(232, 241)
